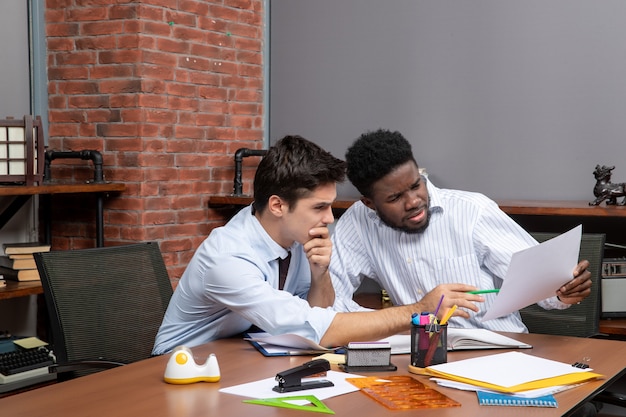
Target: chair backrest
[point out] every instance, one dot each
(105, 303)
(580, 319)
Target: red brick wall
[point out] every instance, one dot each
(167, 91)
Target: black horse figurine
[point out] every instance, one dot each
(605, 189)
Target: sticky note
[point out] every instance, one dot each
(30, 342)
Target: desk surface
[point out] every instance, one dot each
(138, 389)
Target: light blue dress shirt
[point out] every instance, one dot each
(469, 240)
(232, 282)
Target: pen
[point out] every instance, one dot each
(438, 305)
(496, 290)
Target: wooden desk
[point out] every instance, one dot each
(23, 193)
(138, 389)
(15, 289)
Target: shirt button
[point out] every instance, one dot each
(409, 261)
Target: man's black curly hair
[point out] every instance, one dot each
(374, 155)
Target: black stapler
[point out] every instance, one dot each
(291, 379)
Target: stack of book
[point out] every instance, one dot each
(18, 264)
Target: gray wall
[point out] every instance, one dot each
(15, 69)
(18, 315)
(515, 99)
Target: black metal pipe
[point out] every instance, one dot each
(239, 155)
(98, 178)
(94, 156)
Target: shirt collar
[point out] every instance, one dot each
(263, 240)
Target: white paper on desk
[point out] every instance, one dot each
(400, 343)
(507, 369)
(536, 273)
(263, 388)
(531, 393)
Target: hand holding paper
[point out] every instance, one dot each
(536, 273)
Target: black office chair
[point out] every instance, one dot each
(583, 319)
(105, 305)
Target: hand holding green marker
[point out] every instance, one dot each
(496, 290)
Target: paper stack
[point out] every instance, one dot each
(511, 372)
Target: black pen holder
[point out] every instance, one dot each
(429, 344)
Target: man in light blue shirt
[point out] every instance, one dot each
(417, 240)
(232, 281)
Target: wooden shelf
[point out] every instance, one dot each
(516, 207)
(613, 326)
(15, 190)
(560, 208)
(22, 193)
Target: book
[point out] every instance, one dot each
(494, 398)
(25, 263)
(11, 274)
(25, 247)
(28, 275)
(292, 344)
(461, 339)
(22, 256)
(465, 339)
(458, 339)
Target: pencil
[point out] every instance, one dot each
(448, 314)
(496, 290)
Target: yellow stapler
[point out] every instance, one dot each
(182, 368)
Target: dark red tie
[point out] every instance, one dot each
(283, 267)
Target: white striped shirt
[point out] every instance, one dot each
(469, 240)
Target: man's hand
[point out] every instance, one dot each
(578, 288)
(318, 250)
(452, 294)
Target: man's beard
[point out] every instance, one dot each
(405, 229)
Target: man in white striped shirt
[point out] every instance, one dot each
(415, 239)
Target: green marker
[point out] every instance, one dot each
(483, 291)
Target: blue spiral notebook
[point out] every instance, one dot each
(492, 398)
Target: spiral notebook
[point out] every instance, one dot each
(493, 398)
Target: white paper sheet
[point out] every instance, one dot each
(536, 273)
(531, 393)
(400, 343)
(507, 369)
(263, 388)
